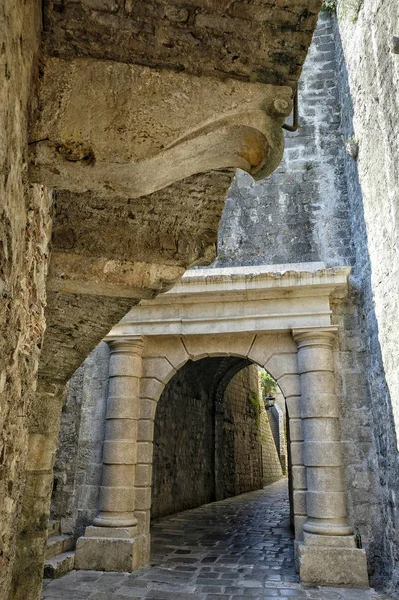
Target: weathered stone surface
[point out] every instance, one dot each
(118, 129)
(211, 437)
(369, 73)
(265, 41)
(24, 236)
(301, 212)
(59, 565)
(333, 566)
(109, 554)
(184, 455)
(135, 248)
(246, 428)
(315, 210)
(96, 278)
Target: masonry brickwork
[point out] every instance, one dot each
(311, 208)
(184, 442)
(368, 72)
(222, 38)
(194, 455)
(321, 204)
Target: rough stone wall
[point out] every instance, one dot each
(277, 416)
(271, 464)
(78, 466)
(254, 40)
(24, 235)
(369, 74)
(249, 451)
(183, 460)
(63, 492)
(242, 458)
(186, 446)
(300, 212)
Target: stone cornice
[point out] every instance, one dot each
(260, 299)
(266, 281)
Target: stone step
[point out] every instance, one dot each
(53, 528)
(60, 565)
(58, 544)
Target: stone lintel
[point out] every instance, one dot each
(335, 566)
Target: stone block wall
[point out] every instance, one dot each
(78, 466)
(185, 444)
(368, 74)
(248, 446)
(24, 236)
(271, 464)
(183, 459)
(214, 37)
(300, 213)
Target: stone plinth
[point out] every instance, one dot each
(330, 565)
(98, 551)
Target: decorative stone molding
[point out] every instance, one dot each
(127, 130)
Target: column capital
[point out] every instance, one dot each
(314, 336)
(129, 344)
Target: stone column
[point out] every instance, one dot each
(328, 554)
(113, 543)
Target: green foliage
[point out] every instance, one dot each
(267, 384)
(329, 6)
(349, 9)
(255, 401)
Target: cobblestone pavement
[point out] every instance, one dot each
(237, 549)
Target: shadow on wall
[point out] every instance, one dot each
(212, 436)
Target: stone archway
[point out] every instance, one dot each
(280, 321)
(211, 435)
(161, 361)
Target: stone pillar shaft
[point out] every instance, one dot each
(113, 543)
(325, 497)
(120, 444)
(328, 554)
(298, 469)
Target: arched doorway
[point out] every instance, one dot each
(214, 458)
(213, 437)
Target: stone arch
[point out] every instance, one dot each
(163, 357)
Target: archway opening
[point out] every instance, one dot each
(215, 440)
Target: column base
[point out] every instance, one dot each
(110, 551)
(332, 565)
(299, 521)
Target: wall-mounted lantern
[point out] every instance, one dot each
(269, 401)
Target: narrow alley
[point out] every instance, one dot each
(235, 549)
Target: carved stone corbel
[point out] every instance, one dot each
(125, 130)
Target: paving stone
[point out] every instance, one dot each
(237, 549)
